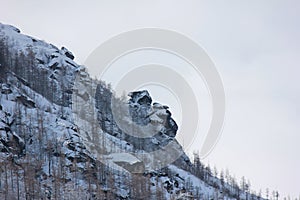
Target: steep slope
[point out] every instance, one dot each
(61, 138)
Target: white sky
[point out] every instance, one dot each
(254, 44)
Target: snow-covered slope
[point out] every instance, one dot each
(52, 149)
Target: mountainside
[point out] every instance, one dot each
(64, 135)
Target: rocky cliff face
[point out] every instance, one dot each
(53, 148)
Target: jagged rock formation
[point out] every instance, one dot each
(140, 107)
(143, 113)
(49, 149)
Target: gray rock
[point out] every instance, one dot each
(68, 53)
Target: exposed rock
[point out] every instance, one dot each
(26, 102)
(143, 113)
(68, 53)
(159, 106)
(5, 89)
(140, 107)
(140, 97)
(9, 141)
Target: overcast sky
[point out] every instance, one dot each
(254, 44)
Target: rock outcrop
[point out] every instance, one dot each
(143, 113)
